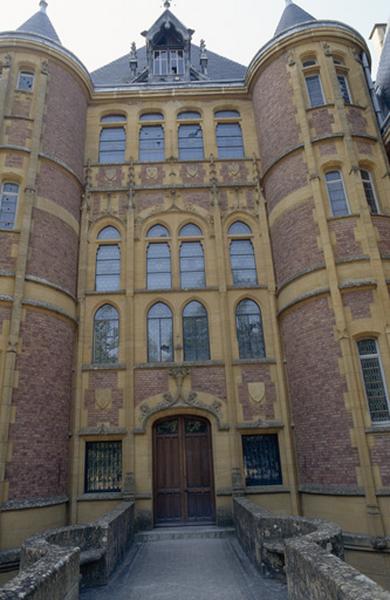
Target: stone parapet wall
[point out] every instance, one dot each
(306, 552)
(51, 562)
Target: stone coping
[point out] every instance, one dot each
(31, 503)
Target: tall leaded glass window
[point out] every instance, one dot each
(242, 256)
(108, 268)
(160, 333)
(229, 140)
(8, 205)
(336, 193)
(151, 143)
(106, 335)
(314, 90)
(196, 332)
(249, 326)
(191, 142)
(103, 467)
(192, 270)
(112, 145)
(261, 460)
(374, 383)
(159, 266)
(369, 191)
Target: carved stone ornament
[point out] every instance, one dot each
(103, 399)
(327, 49)
(257, 392)
(45, 67)
(110, 173)
(234, 169)
(151, 173)
(192, 171)
(291, 60)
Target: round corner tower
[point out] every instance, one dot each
(43, 101)
(323, 167)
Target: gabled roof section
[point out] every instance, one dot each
(40, 24)
(382, 83)
(293, 15)
(117, 73)
(168, 18)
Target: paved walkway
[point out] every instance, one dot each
(188, 569)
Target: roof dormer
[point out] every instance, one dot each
(168, 47)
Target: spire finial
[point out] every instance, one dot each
(167, 3)
(43, 6)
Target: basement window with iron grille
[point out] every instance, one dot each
(103, 467)
(261, 460)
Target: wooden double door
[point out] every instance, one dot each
(183, 471)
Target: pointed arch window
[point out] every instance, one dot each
(192, 268)
(242, 256)
(374, 381)
(160, 333)
(249, 327)
(106, 335)
(108, 261)
(8, 205)
(196, 332)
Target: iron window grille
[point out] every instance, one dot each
(336, 193)
(8, 205)
(103, 467)
(314, 90)
(249, 326)
(369, 191)
(196, 332)
(106, 335)
(261, 460)
(374, 382)
(160, 333)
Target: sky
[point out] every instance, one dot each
(99, 31)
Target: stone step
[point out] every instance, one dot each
(182, 533)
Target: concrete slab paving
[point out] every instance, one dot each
(188, 569)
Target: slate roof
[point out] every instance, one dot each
(118, 71)
(41, 25)
(293, 15)
(383, 76)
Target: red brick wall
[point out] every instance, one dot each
(346, 246)
(285, 178)
(359, 303)
(294, 243)
(150, 382)
(251, 410)
(42, 399)
(357, 121)
(316, 388)
(210, 380)
(276, 124)
(53, 251)
(199, 198)
(59, 187)
(380, 455)
(21, 104)
(103, 380)
(382, 225)
(18, 132)
(148, 199)
(65, 118)
(321, 121)
(7, 239)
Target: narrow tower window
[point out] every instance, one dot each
(369, 191)
(195, 332)
(336, 193)
(249, 326)
(160, 333)
(314, 90)
(344, 88)
(374, 384)
(8, 205)
(106, 335)
(25, 81)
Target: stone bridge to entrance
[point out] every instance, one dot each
(188, 564)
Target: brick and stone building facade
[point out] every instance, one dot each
(194, 249)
